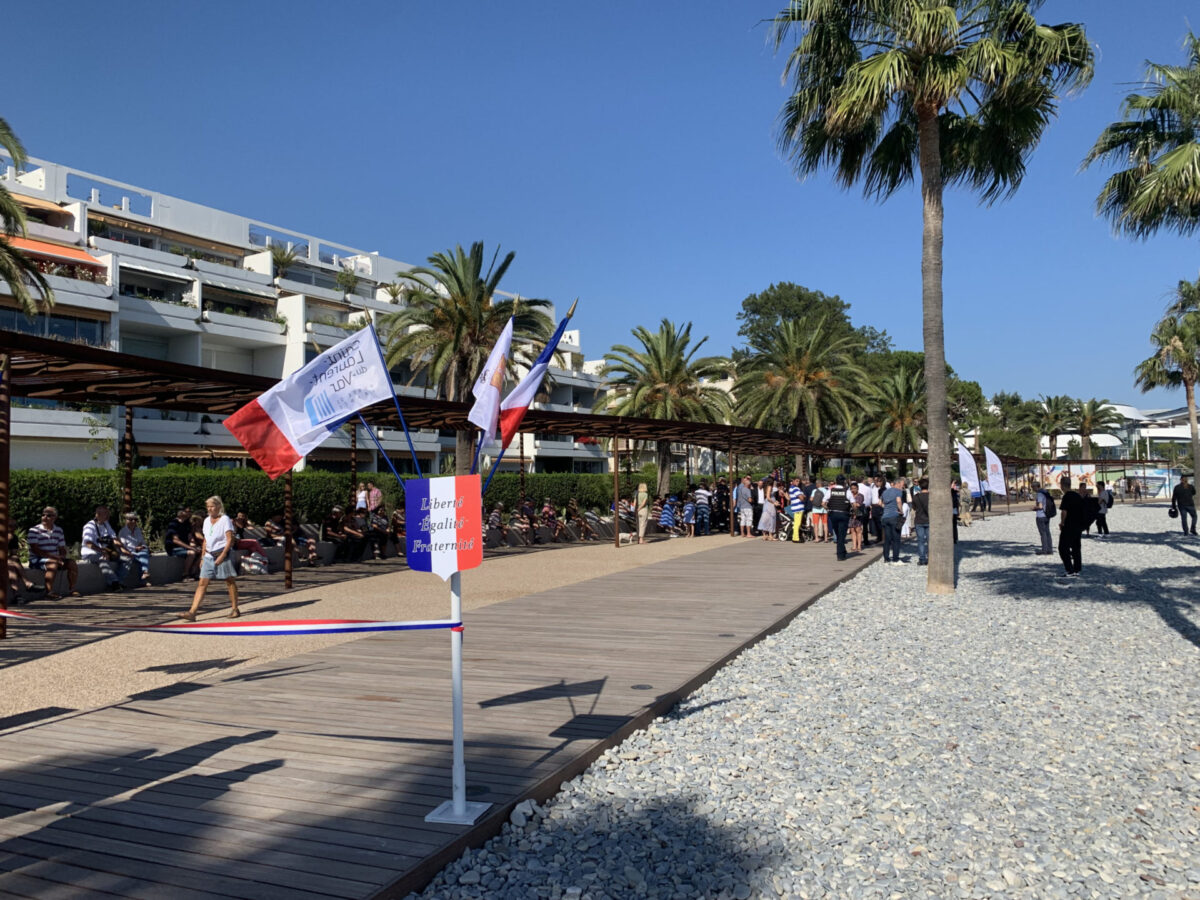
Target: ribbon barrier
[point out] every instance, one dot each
(264, 627)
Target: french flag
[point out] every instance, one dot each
(292, 419)
(516, 404)
(444, 531)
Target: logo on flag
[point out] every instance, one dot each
(445, 524)
(292, 419)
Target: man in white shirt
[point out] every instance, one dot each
(100, 548)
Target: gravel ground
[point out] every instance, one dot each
(1022, 738)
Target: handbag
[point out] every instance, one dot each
(1173, 513)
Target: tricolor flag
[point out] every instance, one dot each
(968, 470)
(488, 387)
(516, 404)
(444, 516)
(997, 483)
(293, 418)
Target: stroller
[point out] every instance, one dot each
(783, 527)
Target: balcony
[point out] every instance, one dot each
(287, 286)
(158, 257)
(160, 314)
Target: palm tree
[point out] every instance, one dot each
(959, 90)
(1052, 416)
(452, 321)
(663, 380)
(17, 270)
(1176, 361)
(1095, 417)
(895, 421)
(1159, 144)
(283, 257)
(803, 382)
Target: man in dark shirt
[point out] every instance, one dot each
(178, 542)
(920, 505)
(1070, 527)
(333, 531)
(1183, 498)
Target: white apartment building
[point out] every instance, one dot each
(144, 273)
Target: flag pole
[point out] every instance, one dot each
(396, 400)
(475, 461)
(495, 467)
(382, 452)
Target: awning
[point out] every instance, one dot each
(254, 290)
(176, 450)
(180, 275)
(58, 251)
(38, 203)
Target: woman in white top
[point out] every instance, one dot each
(215, 561)
(360, 498)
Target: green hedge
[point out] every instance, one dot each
(157, 493)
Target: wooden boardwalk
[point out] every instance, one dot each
(310, 777)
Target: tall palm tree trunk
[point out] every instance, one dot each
(664, 467)
(1189, 391)
(940, 578)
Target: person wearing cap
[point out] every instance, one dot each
(838, 504)
(332, 531)
(134, 546)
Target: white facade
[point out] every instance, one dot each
(152, 275)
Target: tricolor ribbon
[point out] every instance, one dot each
(266, 627)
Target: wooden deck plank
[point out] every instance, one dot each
(311, 777)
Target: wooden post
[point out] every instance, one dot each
(616, 442)
(521, 445)
(127, 462)
(288, 528)
(733, 483)
(5, 447)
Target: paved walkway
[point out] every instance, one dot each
(310, 777)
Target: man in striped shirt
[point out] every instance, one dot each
(796, 507)
(48, 552)
(703, 508)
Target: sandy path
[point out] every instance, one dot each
(109, 670)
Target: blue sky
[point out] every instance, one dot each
(625, 150)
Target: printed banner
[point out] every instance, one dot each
(996, 481)
(292, 419)
(445, 524)
(968, 471)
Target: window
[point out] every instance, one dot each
(67, 328)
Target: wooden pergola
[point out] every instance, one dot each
(48, 369)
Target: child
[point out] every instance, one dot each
(689, 515)
(666, 519)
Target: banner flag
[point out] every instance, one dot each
(488, 387)
(516, 404)
(445, 524)
(968, 471)
(997, 483)
(292, 419)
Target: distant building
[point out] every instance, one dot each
(144, 273)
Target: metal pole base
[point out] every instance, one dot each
(446, 815)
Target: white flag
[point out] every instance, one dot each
(490, 384)
(997, 483)
(292, 419)
(966, 468)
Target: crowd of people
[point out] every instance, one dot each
(530, 525)
(196, 540)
